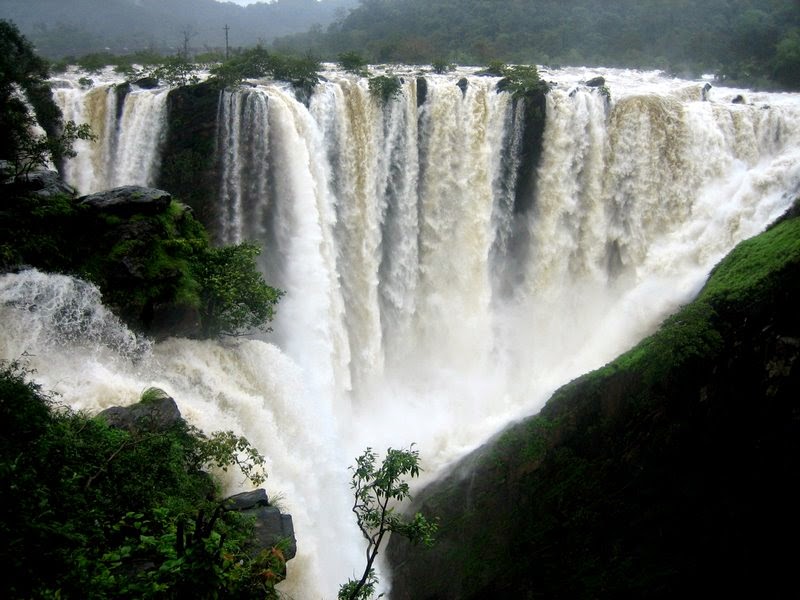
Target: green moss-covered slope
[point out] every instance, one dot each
(670, 472)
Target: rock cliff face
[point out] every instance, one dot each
(190, 170)
(672, 471)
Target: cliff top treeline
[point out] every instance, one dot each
(744, 40)
(748, 42)
(671, 472)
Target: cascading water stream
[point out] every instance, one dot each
(422, 304)
(128, 146)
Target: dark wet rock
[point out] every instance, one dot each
(129, 200)
(271, 526)
(42, 183)
(596, 82)
(146, 83)
(156, 415)
(422, 91)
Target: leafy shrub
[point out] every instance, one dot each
(522, 80)
(175, 70)
(96, 61)
(442, 66)
(353, 62)
(385, 87)
(254, 63)
(90, 511)
(234, 296)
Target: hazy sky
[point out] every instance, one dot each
(243, 2)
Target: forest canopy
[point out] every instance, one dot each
(753, 41)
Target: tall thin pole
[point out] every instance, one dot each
(226, 41)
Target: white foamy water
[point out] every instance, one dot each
(427, 300)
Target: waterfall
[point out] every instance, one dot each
(128, 144)
(422, 305)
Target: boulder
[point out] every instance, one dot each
(596, 82)
(160, 414)
(739, 99)
(146, 83)
(43, 183)
(129, 200)
(706, 89)
(271, 526)
(463, 83)
(247, 500)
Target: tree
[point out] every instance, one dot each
(234, 296)
(176, 70)
(23, 77)
(35, 151)
(385, 87)
(23, 81)
(301, 71)
(354, 63)
(376, 489)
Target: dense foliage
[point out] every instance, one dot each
(258, 62)
(94, 512)
(234, 298)
(385, 87)
(145, 266)
(23, 77)
(743, 40)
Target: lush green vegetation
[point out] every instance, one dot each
(142, 264)
(519, 80)
(21, 70)
(353, 62)
(95, 512)
(233, 296)
(754, 41)
(385, 87)
(301, 71)
(374, 488)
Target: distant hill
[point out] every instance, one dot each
(77, 27)
(752, 41)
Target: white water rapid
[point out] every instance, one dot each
(427, 301)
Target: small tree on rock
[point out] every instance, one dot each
(376, 489)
